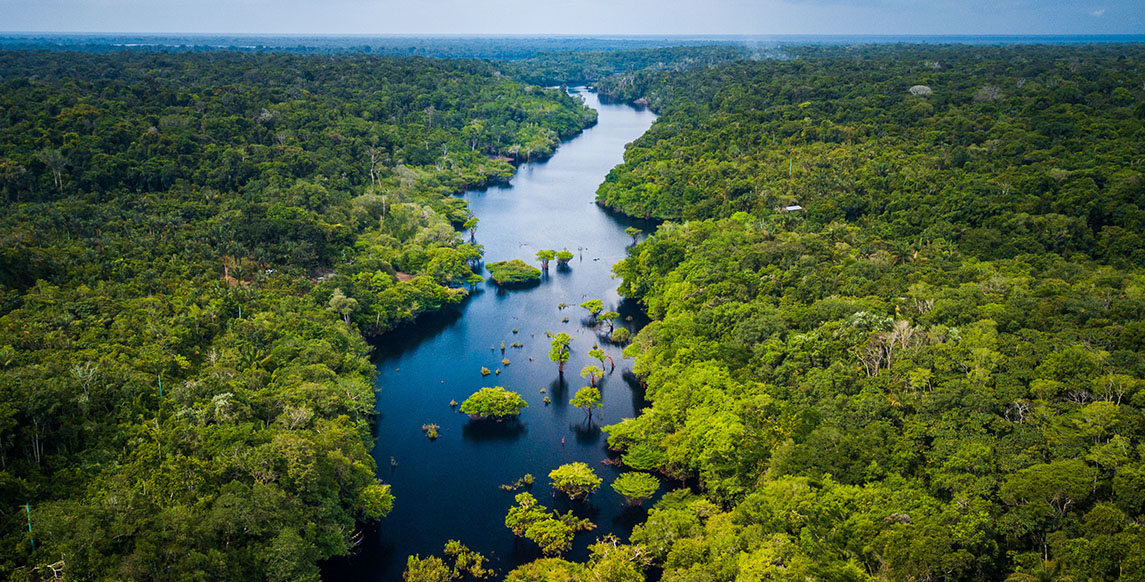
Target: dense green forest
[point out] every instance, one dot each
(193, 247)
(933, 369)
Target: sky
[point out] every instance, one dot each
(578, 17)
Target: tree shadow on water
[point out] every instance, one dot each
(559, 393)
(587, 433)
(491, 430)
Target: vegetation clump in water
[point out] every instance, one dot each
(495, 402)
(513, 273)
(553, 532)
(526, 481)
(577, 480)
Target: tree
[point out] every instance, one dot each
(600, 355)
(633, 232)
(563, 257)
(473, 279)
(553, 535)
(544, 256)
(592, 373)
(548, 570)
(495, 402)
(609, 317)
(620, 335)
(290, 557)
(375, 501)
(465, 563)
(577, 480)
(430, 569)
(1048, 571)
(594, 307)
(559, 350)
(612, 561)
(343, 305)
(471, 226)
(56, 162)
(586, 399)
(553, 532)
(636, 487)
(525, 513)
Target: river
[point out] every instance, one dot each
(448, 488)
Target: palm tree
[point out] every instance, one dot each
(1049, 572)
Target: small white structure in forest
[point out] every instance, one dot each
(792, 208)
(920, 91)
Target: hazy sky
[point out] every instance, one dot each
(578, 16)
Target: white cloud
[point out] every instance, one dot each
(1098, 13)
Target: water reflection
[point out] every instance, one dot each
(493, 430)
(587, 432)
(558, 391)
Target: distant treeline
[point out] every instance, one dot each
(448, 47)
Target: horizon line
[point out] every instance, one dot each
(615, 36)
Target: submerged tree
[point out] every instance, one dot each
(594, 307)
(563, 257)
(471, 226)
(577, 480)
(620, 335)
(495, 402)
(544, 256)
(633, 232)
(559, 350)
(609, 318)
(586, 399)
(465, 563)
(553, 532)
(473, 280)
(600, 355)
(592, 373)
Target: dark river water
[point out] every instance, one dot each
(448, 488)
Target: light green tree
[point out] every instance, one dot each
(563, 257)
(553, 535)
(609, 318)
(544, 256)
(493, 402)
(633, 232)
(592, 373)
(636, 487)
(594, 307)
(620, 335)
(577, 480)
(375, 501)
(586, 399)
(559, 350)
(343, 305)
(601, 356)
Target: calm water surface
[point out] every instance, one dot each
(448, 488)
